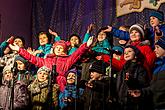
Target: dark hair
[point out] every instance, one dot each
(47, 34)
(138, 54)
(20, 37)
(108, 35)
(76, 36)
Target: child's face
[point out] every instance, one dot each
(129, 54)
(95, 75)
(154, 21)
(59, 50)
(134, 36)
(18, 42)
(8, 75)
(42, 76)
(71, 78)
(43, 39)
(74, 41)
(101, 36)
(159, 51)
(20, 65)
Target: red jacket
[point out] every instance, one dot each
(63, 63)
(149, 58)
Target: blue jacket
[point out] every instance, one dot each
(100, 47)
(69, 92)
(159, 65)
(125, 35)
(45, 50)
(2, 47)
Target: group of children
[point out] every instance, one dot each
(92, 75)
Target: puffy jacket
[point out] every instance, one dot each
(63, 63)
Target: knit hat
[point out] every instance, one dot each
(117, 49)
(20, 59)
(98, 66)
(138, 28)
(157, 14)
(161, 42)
(62, 43)
(6, 68)
(43, 68)
(74, 70)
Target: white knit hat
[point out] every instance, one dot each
(43, 68)
(138, 28)
(6, 68)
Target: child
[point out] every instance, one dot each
(103, 44)
(69, 99)
(59, 58)
(136, 33)
(45, 45)
(8, 58)
(22, 73)
(19, 92)
(96, 91)
(117, 52)
(157, 27)
(133, 75)
(156, 88)
(39, 91)
(75, 42)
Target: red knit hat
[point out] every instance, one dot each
(61, 43)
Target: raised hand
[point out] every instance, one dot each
(10, 40)
(53, 33)
(108, 30)
(90, 28)
(14, 47)
(90, 41)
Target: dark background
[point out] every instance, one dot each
(28, 17)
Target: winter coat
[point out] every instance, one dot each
(95, 98)
(152, 33)
(2, 47)
(73, 93)
(39, 95)
(133, 76)
(25, 76)
(63, 63)
(157, 88)
(8, 59)
(21, 98)
(100, 47)
(148, 54)
(45, 50)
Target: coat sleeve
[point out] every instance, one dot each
(21, 97)
(2, 47)
(72, 59)
(120, 34)
(116, 64)
(39, 62)
(150, 56)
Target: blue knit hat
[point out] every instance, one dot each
(74, 70)
(161, 42)
(21, 59)
(157, 14)
(117, 49)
